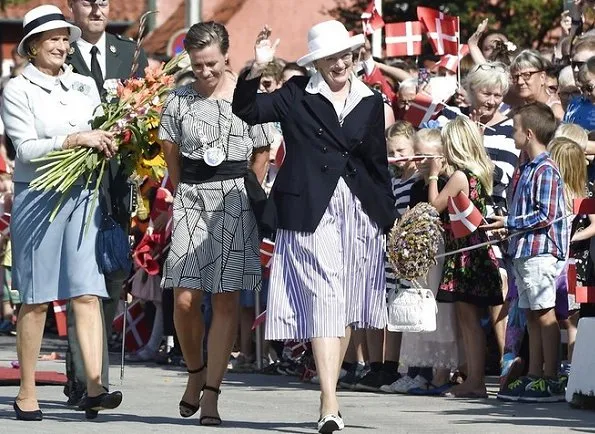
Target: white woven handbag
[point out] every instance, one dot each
(412, 310)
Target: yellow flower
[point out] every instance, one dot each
(152, 123)
(152, 135)
(153, 168)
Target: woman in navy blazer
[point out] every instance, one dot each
(331, 202)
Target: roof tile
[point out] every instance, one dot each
(120, 10)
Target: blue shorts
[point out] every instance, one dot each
(248, 298)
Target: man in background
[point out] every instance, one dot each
(106, 58)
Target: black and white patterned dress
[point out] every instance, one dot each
(215, 243)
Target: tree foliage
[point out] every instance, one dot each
(5, 3)
(525, 22)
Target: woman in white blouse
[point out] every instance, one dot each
(48, 108)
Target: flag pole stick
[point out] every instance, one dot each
(459, 52)
(377, 35)
(123, 339)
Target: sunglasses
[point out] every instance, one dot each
(526, 76)
(577, 64)
(100, 3)
(588, 88)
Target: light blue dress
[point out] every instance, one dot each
(51, 261)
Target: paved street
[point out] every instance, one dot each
(253, 403)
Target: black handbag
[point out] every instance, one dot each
(112, 246)
(258, 200)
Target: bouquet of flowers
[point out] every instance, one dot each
(132, 114)
(414, 240)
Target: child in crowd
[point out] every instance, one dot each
(10, 297)
(539, 255)
(438, 349)
(570, 158)
(399, 142)
(471, 279)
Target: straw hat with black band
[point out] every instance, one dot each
(41, 19)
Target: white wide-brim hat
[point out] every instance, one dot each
(328, 38)
(44, 18)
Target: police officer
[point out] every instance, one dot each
(106, 58)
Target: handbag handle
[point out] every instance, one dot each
(105, 201)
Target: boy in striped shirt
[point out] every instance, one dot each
(539, 254)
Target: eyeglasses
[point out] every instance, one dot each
(346, 58)
(577, 64)
(569, 92)
(490, 67)
(526, 76)
(588, 88)
(100, 3)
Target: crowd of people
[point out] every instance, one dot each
(320, 157)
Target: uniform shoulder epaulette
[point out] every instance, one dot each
(125, 38)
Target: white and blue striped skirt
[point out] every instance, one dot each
(324, 281)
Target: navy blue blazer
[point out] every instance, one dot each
(319, 151)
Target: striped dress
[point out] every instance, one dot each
(500, 147)
(402, 192)
(324, 281)
(215, 242)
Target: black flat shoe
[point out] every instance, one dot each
(106, 401)
(35, 415)
(187, 409)
(210, 420)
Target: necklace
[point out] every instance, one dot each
(214, 153)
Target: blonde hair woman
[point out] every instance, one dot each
(471, 280)
(574, 132)
(570, 159)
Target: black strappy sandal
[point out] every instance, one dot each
(187, 409)
(214, 420)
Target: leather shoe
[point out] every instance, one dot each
(35, 415)
(106, 401)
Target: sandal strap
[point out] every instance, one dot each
(212, 389)
(196, 371)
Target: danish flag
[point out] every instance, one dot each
(137, 327)
(465, 218)
(422, 109)
(5, 224)
(450, 61)
(60, 316)
(280, 155)
(259, 319)
(403, 39)
(267, 247)
(371, 19)
(442, 30)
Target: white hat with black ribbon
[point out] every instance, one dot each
(44, 18)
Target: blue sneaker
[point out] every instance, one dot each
(514, 391)
(543, 390)
(565, 368)
(512, 368)
(6, 327)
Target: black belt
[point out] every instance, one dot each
(199, 172)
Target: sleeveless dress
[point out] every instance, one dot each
(215, 241)
(471, 276)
